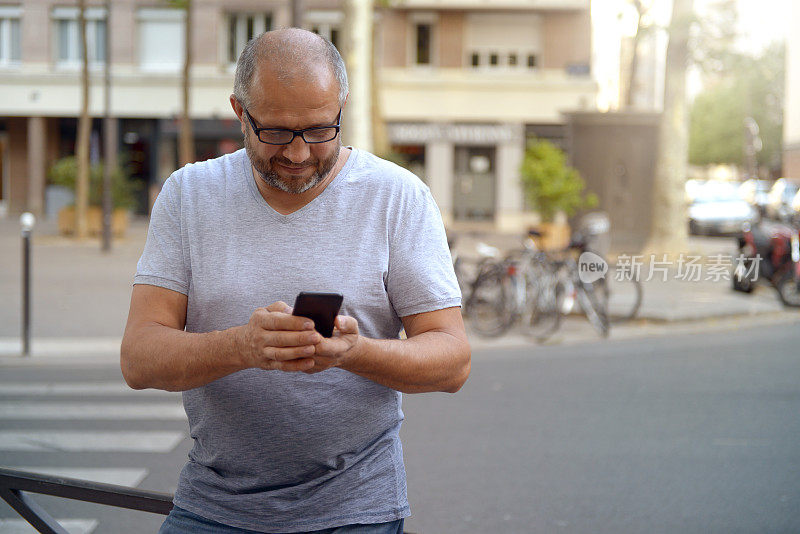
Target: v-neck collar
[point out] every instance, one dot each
(275, 214)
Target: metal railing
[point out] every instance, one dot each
(16, 485)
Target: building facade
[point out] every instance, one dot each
(791, 114)
(462, 85)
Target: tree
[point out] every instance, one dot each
(357, 33)
(748, 86)
(550, 185)
(668, 231)
(186, 149)
(643, 26)
(84, 132)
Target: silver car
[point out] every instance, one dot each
(718, 208)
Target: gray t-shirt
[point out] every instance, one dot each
(291, 452)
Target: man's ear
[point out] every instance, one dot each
(239, 110)
(237, 107)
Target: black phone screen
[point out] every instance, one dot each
(321, 308)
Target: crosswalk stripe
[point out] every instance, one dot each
(91, 410)
(72, 441)
(73, 526)
(76, 388)
(131, 477)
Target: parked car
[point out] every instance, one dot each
(756, 193)
(780, 199)
(795, 205)
(717, 208)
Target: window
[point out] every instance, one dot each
(532, 61)
(476, 59)
(68, 44)
(328, 32)
(327, 24)
(9, 35)
(423, 55)
(242, 27)
(161, 36)
(503, 41)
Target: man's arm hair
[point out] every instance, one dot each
(157, 353)
(434, 357)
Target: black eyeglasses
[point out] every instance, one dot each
(283, 136)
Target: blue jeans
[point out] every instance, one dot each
(180, 521)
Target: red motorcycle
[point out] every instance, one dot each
(769, 252)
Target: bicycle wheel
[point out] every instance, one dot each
(488, 306)
(624, 296)
(545, 299)
(594, 304)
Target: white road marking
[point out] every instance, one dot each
(73, 441)
(73, 526)
(131, 477)
(63, 346)
(76, 388)
(91, 410)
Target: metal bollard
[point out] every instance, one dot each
(26, 220)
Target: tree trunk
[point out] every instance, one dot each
(110, 135)
(297, 13)
(634, 64)
(187, 152)
(84, 132)
(358, 44)
(380, 135)
(668, 231)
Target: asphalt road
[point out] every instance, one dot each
(681, 433)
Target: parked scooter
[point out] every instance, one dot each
(771, 253)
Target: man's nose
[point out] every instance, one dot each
(297, 151)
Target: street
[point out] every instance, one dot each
(685, 433)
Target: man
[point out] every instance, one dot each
(293, 432)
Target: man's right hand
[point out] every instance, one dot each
(274, 339)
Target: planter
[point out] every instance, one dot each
(94, 216)
(555, 236)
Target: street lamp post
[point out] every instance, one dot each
(27, 221)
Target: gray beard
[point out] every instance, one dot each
(273, 179)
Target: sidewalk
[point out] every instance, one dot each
(80, 296)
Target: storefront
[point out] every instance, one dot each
(472, 170)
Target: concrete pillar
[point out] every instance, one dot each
(509, 202)
(37, 146)
(439, 171)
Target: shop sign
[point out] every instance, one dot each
(482, 134)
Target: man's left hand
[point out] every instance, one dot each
(333, 351)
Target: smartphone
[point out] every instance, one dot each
(321, 308)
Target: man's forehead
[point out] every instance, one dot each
(316, 87)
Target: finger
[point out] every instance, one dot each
(281, 354)
(275, 320)
(346, 324)
(293, 366)
(279, 306)
(331, 347)
(292, 338)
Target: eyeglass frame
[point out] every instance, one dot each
(295, 133)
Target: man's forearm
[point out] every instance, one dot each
(160, 357)
(431, 361)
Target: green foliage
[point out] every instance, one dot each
(747, 86)
(550, 185)
(123, 191)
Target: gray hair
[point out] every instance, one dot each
(284, 54)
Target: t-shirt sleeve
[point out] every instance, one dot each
(420, 275)
(163, 262)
